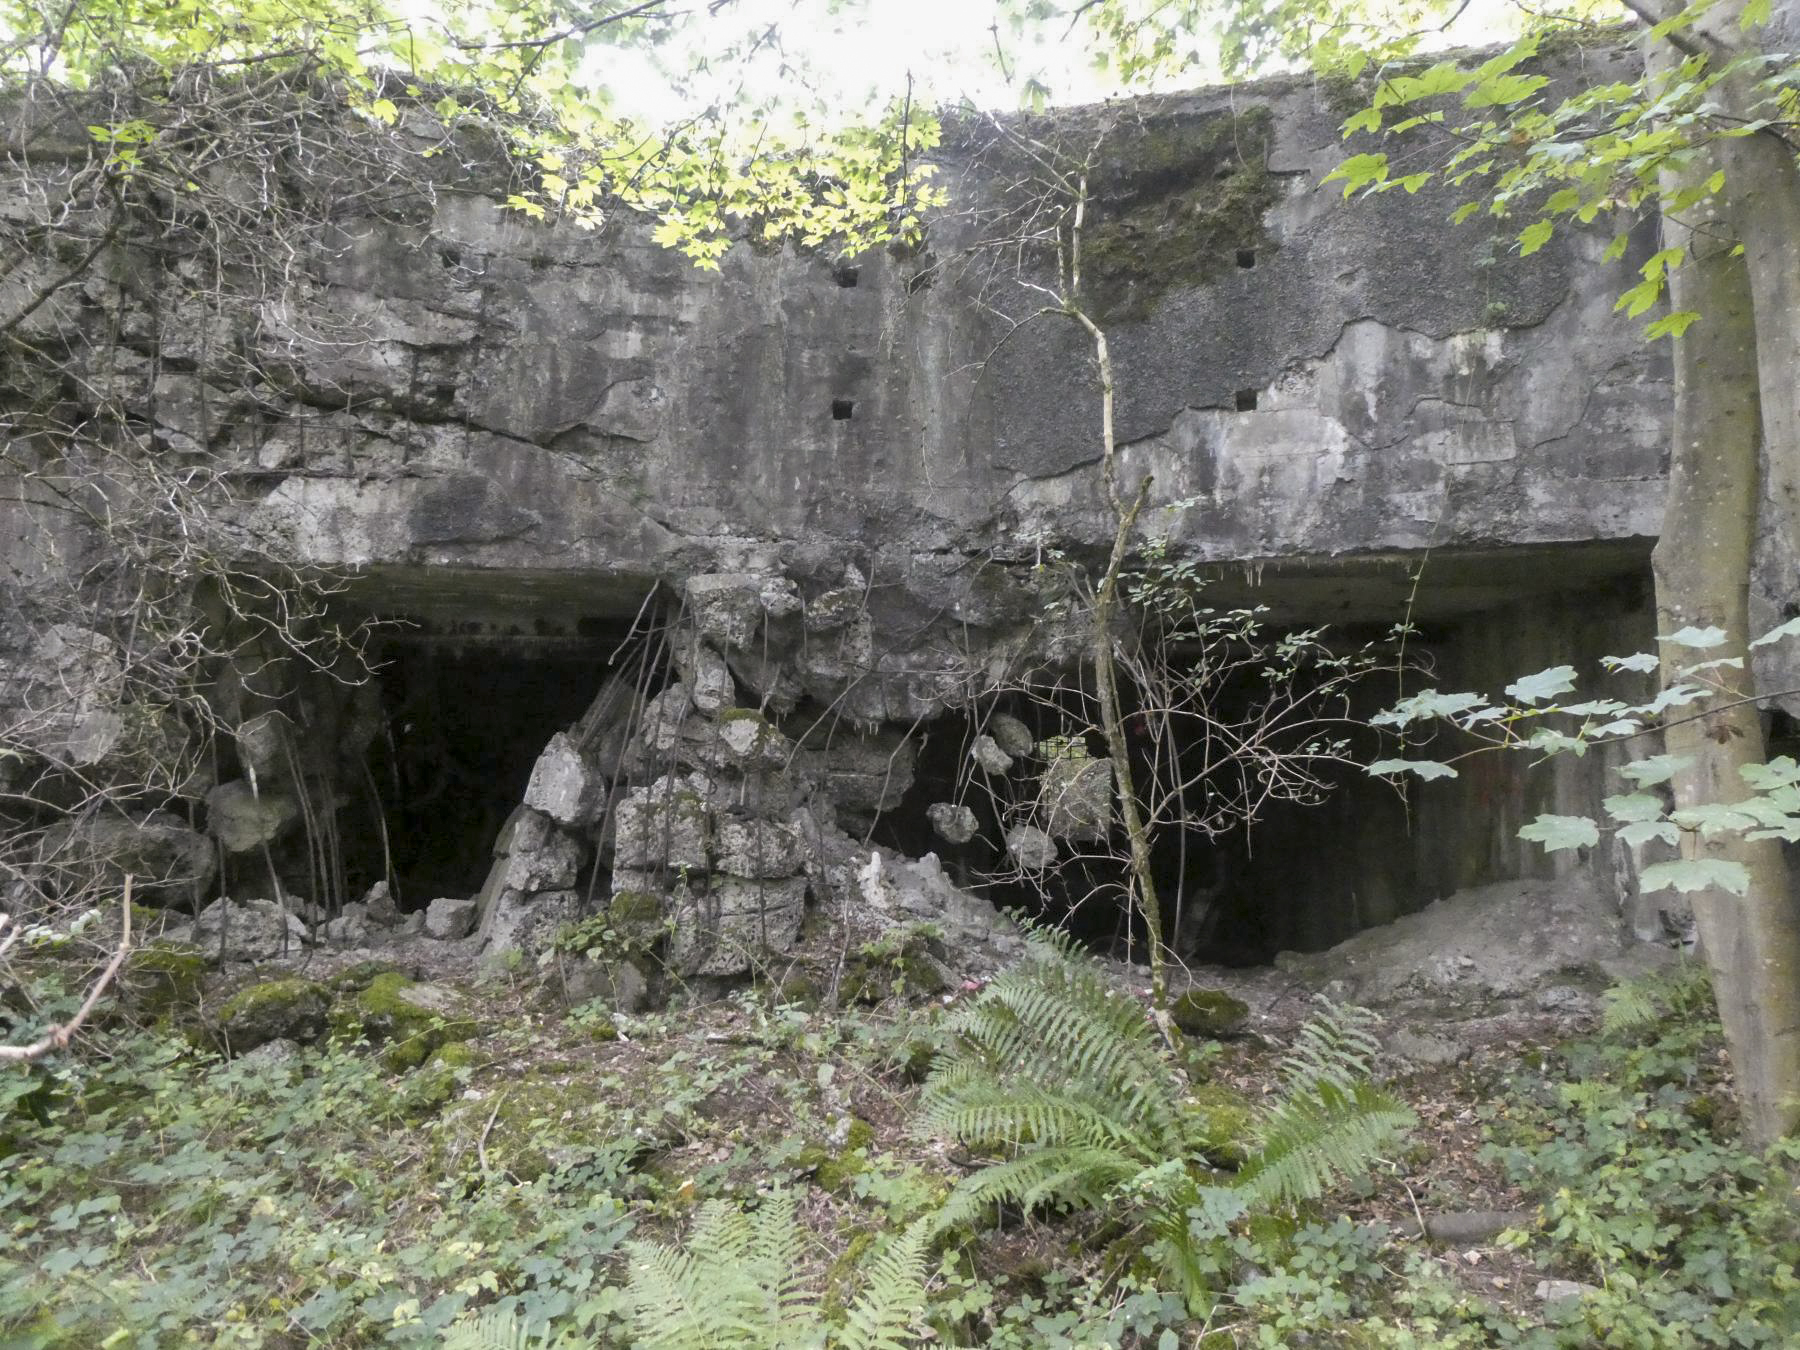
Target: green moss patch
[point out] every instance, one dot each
(1209, 1012)
(409, 1020)
(164, 979)
(1186, 198)
(289, 1008)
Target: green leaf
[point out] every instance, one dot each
(1786, 630)
(1560, 832)
(1637, 833)
(1671, 325)
(1755, 12)
(1534, 236)
(1639, 661)
(1656, 769)
(1369, 119)
(1713, 818)
(1696, 874)
(1700, 638)
(1777, 773)
(1360, 171)
(1428, 703)
(1544, 684)
(1616, 249)
(1633, 807)
(1423, 768)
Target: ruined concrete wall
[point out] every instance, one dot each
(851, 473)
(501, 395)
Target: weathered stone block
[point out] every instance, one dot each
(734, 923)
(661, 829)
(757, 848)
(241, 820)
(448, 918)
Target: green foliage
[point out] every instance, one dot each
(167, 1194)
(521, 75)
(1688, 1239)
(739, 1284)
(1066, 1078)
(1537, 720)
(494, 1329)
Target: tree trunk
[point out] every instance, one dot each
(1702, 565)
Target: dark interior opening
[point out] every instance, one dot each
(1244, 400)
(841, 409)
(846, 276)
(464, 722)
(1246, 258)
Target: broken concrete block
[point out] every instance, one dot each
(448, 918)
(241, 820)
(1030, 847)
(657, 829)
(706, 676)
(954, 824)
(256, 930)
(989, 757)
(726, 606)
(549, 867)
(1010, 734)
(663, 716)
(564, 786)
(1076, 799)
(757, 848)
(528, 924)
(735, 923)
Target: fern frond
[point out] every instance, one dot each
(777, 1259)
(1313, 1137)
(983, 1113)
(1080, 1176)
(1337, 1045)
(1054, 1019)
(493, 1329)
(886, 1314)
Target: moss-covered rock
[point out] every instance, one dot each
(1209, 1012)
(834, 1169)
(899, 966)
(361, 975)
(537, 1124)
(1219, 1121)
(407, 1019)
(164, 979)
(437, 1080)
(636, 916)
(288, 1008)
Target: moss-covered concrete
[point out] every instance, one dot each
(405, 1026)
(1181, 204)
(164, 979)
(1209, 1012)
(289, 1008)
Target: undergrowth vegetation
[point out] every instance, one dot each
(1025, 1165)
